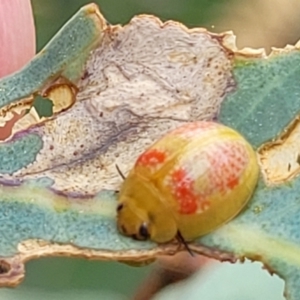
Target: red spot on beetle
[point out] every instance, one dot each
(182, 187)
(151, 158)
(232, 182)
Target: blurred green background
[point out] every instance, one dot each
(50, 15)
(70, 278)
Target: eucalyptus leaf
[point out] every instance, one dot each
(132, 84)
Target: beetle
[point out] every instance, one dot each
(187, 184)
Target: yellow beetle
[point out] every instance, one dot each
(190, 182)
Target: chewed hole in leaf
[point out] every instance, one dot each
(4, 267)
(43, 106)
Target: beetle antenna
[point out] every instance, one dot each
(181, 240)
(120, 172)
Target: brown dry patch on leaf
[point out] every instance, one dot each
(7, 128)
(280, 158)
(143, 80)
(21, 115)
(63, 96)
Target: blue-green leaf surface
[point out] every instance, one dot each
(57, 195)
